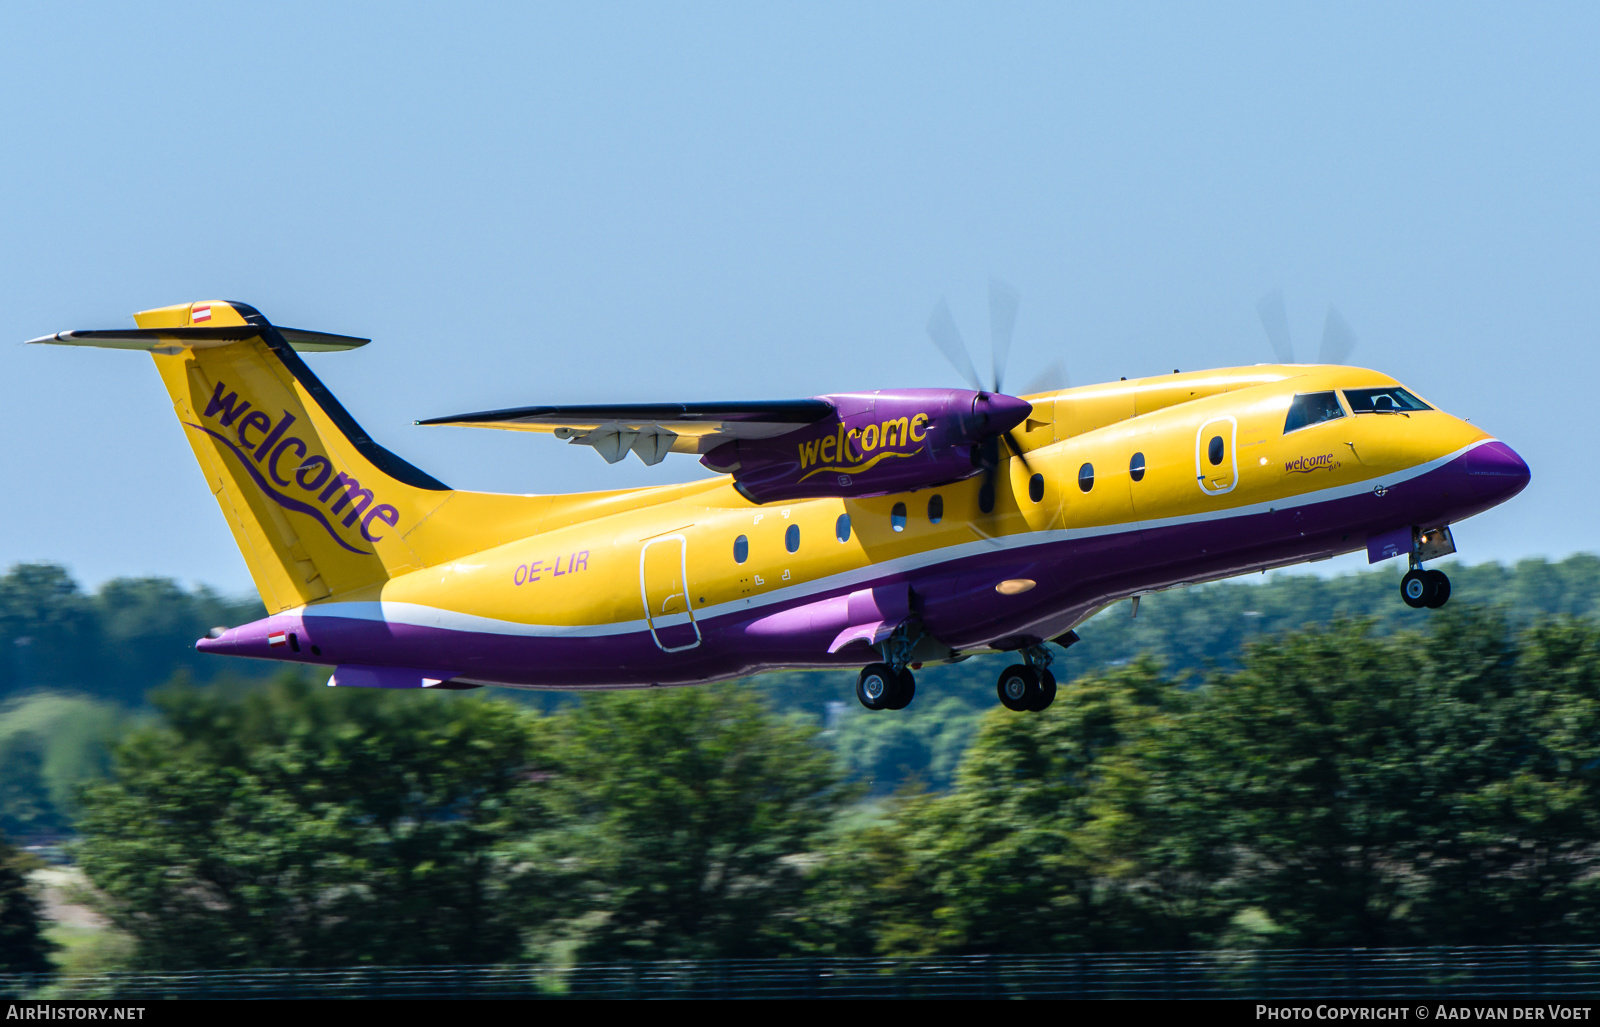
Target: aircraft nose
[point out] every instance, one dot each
(1495, 472)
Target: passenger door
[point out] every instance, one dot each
(664, 587)
(1216, 462)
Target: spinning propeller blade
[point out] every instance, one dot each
(1275, 319)
(1338, 339)
(1003, 301)
(945, 335)
(1052, 379)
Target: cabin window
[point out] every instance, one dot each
(1086, 477)
(841, 528)
(1311, 408)
(1383, 401)
(1216, 449)
(741, 549)
(791, 538)
(1136, 467)
(897, 517)
(935, 508)
(1036, 487)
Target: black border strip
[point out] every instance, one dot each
(394, 466)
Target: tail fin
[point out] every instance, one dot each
(317, 508)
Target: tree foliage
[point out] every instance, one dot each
(23, 945)
(686, 814)
(129, 636)
(299, 826)
(1341, 788)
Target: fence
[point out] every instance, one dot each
(1290, 974)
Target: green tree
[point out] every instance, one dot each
(1036, 849)
(50, 744)
(1415, 789)
(688, 816)
(23, 946)
(25, 806)
(148, 627)
(1295, 785)
(49, 629)
(1514, 857)
(301, 826)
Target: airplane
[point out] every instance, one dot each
(880, 530)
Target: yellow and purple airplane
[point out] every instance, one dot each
(880, 529)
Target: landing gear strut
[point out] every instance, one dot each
(890, 685)
(1028, 687)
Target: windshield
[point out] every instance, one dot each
(1389, 400)
(1312, 408)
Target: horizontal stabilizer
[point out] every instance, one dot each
(199, 337)
(651, 430)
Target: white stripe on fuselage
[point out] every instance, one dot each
(420, 615)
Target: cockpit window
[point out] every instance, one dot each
(1312, 408)
(1390, 400)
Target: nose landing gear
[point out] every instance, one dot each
(1420, 588)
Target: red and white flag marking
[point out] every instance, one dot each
(277, 638)
(201, 312)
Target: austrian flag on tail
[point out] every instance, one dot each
(277, 639)
(201, 312)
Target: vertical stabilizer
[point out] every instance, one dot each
(316, 507)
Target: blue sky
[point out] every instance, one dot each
(587, 202)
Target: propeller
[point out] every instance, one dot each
(1003, 303)
(1053, 378)
(1338, 338)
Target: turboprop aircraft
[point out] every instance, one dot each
(881, 530)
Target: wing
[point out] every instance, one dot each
(651, 430)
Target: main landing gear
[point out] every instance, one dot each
(1025, 687)
(881, 687)
(889, 685)
(1028, 687)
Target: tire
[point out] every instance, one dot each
(1438, 589)
(905, 689)
(1046, 694)
(1415, 589)
(876, 686)
(1017, 687)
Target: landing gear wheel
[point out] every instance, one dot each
(1018, 688)
(1415, 588)
(1046, 694)
(1438, 589)
(876, 686)
(905, 688)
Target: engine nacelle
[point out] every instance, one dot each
(874, 444)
